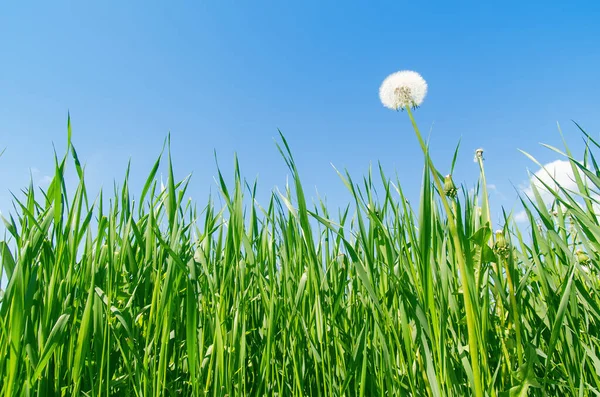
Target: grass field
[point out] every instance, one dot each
(157, 296)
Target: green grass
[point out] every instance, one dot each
(155, 296)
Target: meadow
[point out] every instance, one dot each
(149, 294)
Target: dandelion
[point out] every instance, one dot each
(501, 246)
(582, 257)
(402, 90)
(478, 155)
(450, 189)
(406, 90)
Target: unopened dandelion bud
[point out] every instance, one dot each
(500, 240)
(582, 257)
(479, 154)
(450, 189)
(501, 247)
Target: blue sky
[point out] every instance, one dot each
(226, 75)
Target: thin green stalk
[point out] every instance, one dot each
(471, 329)
(485, 210)
(515, 310)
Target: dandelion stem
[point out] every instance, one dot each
(515, 310)
(472, 333)
(485, 210)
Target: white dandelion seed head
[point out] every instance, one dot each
(403, 89)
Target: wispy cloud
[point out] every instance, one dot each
(45, 180)
(40, 179)
(520, 217)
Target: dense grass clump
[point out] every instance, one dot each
(153, 296)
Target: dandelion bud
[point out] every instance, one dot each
(582, 257)
(479, 153)
(501, 247)
(450, 189)
(500, 240)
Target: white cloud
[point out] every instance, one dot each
(45, 181)
(554, 174)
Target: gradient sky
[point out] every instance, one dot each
(224, 76)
